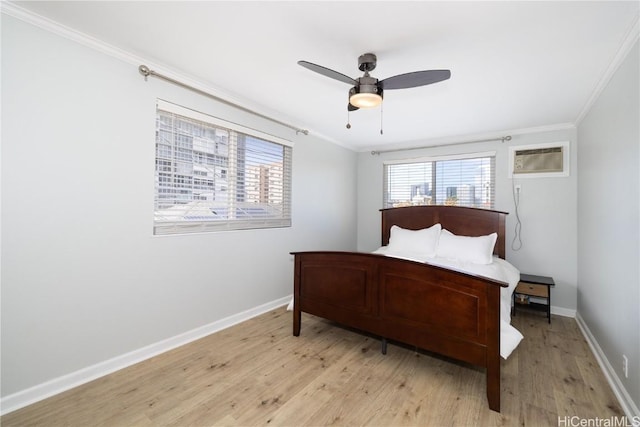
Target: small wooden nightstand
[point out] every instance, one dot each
(533, 286)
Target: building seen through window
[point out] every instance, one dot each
(209, 177)
(465, 181)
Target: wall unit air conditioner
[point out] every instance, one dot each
(539, 161)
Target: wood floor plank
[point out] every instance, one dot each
(355, 400)
(598, 391)
(317, 392)
(258, 373)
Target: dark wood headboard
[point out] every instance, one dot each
(459, 220)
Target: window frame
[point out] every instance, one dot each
(386, 203)
(232, 202)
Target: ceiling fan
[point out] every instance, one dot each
(367, 91)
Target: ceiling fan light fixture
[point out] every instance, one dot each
(365, 100)
(365, 96)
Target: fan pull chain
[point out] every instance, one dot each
(381, 133)
(348, 120)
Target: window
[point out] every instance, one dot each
(214, 175)
(465, 180)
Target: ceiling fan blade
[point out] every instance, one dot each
(327, 72)
(351, 107)
(415, 79)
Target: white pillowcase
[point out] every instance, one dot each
(422, 242)
(478, 250)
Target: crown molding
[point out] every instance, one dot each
(540, 129)
(473, 138)
(15, 11)
(11, 9)
(632, 36)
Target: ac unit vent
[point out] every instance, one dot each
(539, 160)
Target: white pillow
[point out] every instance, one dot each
(478, 250)
(422, 242)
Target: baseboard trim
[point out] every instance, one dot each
(628, 406)
(55, 386)
(561, 311)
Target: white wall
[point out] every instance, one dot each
(547, 210)
(609, 222)
(83, 278)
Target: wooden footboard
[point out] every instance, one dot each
(451, 313)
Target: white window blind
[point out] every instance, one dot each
(215, 175)
(464, 180)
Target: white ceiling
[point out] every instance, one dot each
(515, 65)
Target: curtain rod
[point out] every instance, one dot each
(503, 139)
(146, 72)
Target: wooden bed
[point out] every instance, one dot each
(448, 312)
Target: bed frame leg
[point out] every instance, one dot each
(297, 314)
(493, 386)
(384, 346)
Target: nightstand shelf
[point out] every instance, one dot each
(532, 286)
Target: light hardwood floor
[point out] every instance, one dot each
(257, 373)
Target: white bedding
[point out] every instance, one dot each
(500, 270)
